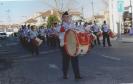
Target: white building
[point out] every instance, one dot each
(42, 17)
(115, 16)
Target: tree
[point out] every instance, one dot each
(51, 20)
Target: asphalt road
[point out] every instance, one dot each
(110, 65)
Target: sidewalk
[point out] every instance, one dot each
(126, 39)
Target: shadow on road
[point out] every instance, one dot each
(5, 64)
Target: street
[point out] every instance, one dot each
(111, 65)
(104, 26)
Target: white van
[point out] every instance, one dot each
(3, 35)
(9, 32)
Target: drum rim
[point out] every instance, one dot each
(77, 43)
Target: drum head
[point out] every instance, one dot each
(71, 42)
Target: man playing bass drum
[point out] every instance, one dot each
(67, 24)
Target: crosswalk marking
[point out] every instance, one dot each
(110, 57)
(44, 52)
(3, 50)
(50, 51)
(11, 44)
(53, 66)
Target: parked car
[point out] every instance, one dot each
(3, 35)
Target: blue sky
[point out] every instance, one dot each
(18, 10)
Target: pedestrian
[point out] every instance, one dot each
(67, 24)
(106, 30)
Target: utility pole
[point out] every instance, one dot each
(1, 4)
(82, 14)
(131, 12)
(82, 10)
(92, 3)
(8, 16)
(62, 6)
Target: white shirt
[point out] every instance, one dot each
(95, 28)
(33, 34)
(88, 28)
(80, 28)
(25, 32)
(66, 26)
(105, 28)
(42, 33)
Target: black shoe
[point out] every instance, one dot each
(37, 53)
(78, 77)
(110, 45)
(32, 54)
(65, 77)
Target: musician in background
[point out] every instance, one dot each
(96, 30)
(106, 30)
(41, 33)
(67, 24)
(56, 39)
(53, 36)
(47, 36)
(24, 35)
(33, 42)
(21, 34)
(88, 27)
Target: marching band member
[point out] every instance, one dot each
(44, 32)
(47, 36)
(82, 27)
(96, 30)
(55, 35)
(41, 33)
(106, 30)
(52, 36)
(33, 36)
(66, 24)
(28, 36)
(21, 35)
(25, 33)
(88, 27)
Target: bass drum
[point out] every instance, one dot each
(76, 42)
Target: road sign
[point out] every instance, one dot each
(120, 6)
